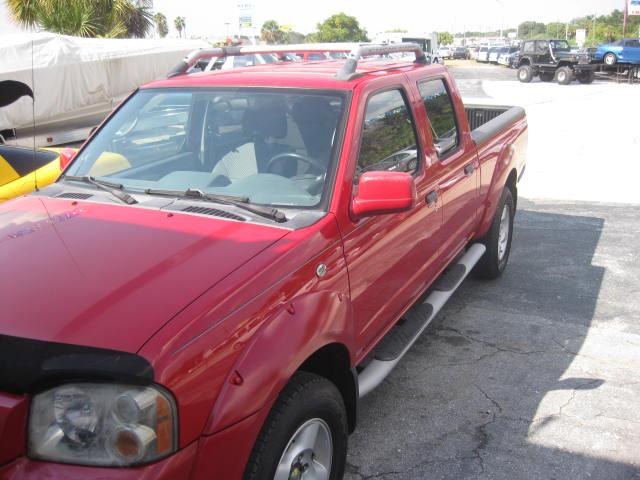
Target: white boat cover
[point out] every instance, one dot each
(76, 77)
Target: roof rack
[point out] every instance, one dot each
(193, 58)
(348, 70)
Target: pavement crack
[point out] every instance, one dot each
(499, 348)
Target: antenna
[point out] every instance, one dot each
(33, 116)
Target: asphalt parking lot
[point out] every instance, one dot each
(535, 375)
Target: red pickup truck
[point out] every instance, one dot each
(234, 258)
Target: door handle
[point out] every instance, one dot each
(469, 169)
(432, 197)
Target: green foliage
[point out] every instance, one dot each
(445, 38)
(339, 28)
(85, 18)
(272, 33)
(296, 37)
(180, 24)
(398, 30)
(601, 29)
(162, 26)
(532, 29)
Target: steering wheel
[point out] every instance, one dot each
(308, 160)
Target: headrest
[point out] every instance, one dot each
(268, 119)
(311, 109)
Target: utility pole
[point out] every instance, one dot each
(624, 23)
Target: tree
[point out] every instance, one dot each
(340, 28)
(85, 18)
(445, 38)
(180, 25)
(532, 29)
(162, 27)
(272, 33)
(295, 37)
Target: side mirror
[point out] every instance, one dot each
(383, 192)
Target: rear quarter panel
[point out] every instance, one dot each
(499, 156)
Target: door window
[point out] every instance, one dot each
(528, 47)
(542, 47)
(441, 115)
(389, 137)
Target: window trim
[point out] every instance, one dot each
(455, 116)
(399, 87)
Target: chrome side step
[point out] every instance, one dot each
(399, 340)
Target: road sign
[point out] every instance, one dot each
(633, 7)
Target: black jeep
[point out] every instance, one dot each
(553, 59)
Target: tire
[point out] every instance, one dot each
(525, 74)
(308, 401)
(610, 59)
(546, 76)
(495, 259)
(564, 75)
(586, 77)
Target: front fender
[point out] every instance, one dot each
(294, 333)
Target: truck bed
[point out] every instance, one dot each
(487, 121)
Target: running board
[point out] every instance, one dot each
(404, 334)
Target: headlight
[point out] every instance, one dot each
(102, 424)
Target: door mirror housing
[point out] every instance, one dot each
(383, 192)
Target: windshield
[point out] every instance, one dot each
(273, 147)
(560, 46)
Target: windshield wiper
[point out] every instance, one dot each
(114, 189)
(235, 200)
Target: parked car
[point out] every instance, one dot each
(460, 53)
(549, 59)
(483, 54)
(445, 52)
(494, 53)
(281, 237)
(473, 52)
(23, 170)
(622, 51)
(509, 56)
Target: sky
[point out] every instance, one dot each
(208, 18)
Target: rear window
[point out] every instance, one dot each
(441, 115)
(25, 160)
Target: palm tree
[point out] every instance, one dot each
(180, 25)
(272, 33)
(161, 24)
(85, 18)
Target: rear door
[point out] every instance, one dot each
(390, 257)
(457, 160)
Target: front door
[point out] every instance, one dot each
(390, 257)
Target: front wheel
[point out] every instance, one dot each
(498, 239)
(305, 434)
(525, 74)
(610, 59)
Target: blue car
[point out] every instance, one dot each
(622, 51)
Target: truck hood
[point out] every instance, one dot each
(111, 276)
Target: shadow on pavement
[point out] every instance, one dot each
(494, 388)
